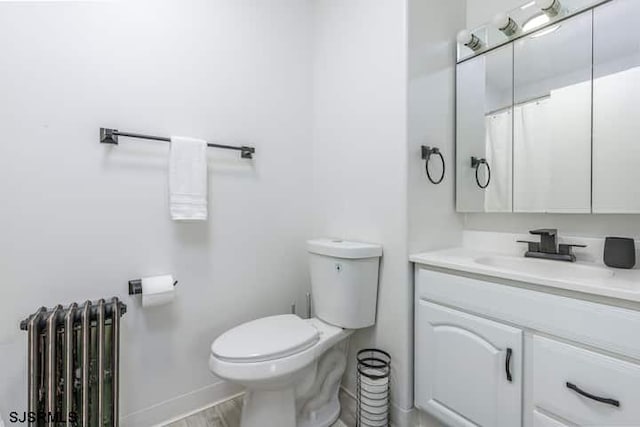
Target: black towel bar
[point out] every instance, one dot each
(110, 136)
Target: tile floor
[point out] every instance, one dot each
(225, 414)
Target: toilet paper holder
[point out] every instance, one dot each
(135, 286)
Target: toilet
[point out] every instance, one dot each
(291, 367)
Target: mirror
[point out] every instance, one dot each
(616, 108)
(484, 132)
(548, 122)
(552, 118)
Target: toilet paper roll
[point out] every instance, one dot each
(157, 290)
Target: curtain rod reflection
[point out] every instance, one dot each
(527, 101)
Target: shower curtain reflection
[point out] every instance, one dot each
(498, 197)
(552, 152)
(532, 137)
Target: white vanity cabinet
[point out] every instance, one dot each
(469, 367)
(572, 361)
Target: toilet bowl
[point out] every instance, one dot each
(291, 367)
(277, 360)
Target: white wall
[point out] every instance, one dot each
(360, 159)
(433, 222)
(78, 219)
(480, 12)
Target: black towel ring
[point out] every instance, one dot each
(427, 152)
(476, 163)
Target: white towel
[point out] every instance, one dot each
(188, 179)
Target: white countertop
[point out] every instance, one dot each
(586, 277)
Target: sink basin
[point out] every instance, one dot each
(556, 270)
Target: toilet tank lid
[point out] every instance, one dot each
(344, 249)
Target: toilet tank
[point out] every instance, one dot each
(344, 281)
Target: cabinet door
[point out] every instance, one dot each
(468, 369)
(552, 119)
(616, 105)
(484, 130)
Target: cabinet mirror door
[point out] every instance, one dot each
(552, 118)
(616, 108)
(484, 132)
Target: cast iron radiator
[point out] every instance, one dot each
(73, 364)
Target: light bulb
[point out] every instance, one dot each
(470, 40)
(504, 23)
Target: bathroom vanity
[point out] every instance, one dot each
(505, 341)
(546, 122)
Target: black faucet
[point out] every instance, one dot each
(547, 247)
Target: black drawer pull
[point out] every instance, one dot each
(604, 400)
(507, 365)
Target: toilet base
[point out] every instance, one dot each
(311, 400)
(276, 406)
(319, 405)
(324, 417)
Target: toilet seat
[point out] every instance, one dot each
(265, 339)
(281, 364)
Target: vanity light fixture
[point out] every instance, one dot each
(470, 40)
(535, 22)
(504, 23)
(551, 8)
(539, 21)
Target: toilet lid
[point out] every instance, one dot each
(265, 339)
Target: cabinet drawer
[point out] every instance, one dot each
(567, 380)
(613, 328)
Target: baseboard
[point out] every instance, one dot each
(426, 420)
(180, 407)
(174, 409)
(399, 417)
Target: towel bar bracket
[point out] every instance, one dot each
(247, 152)
(109, 136)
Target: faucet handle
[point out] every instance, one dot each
(533, 246)
(567, 249)
(544, 232)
